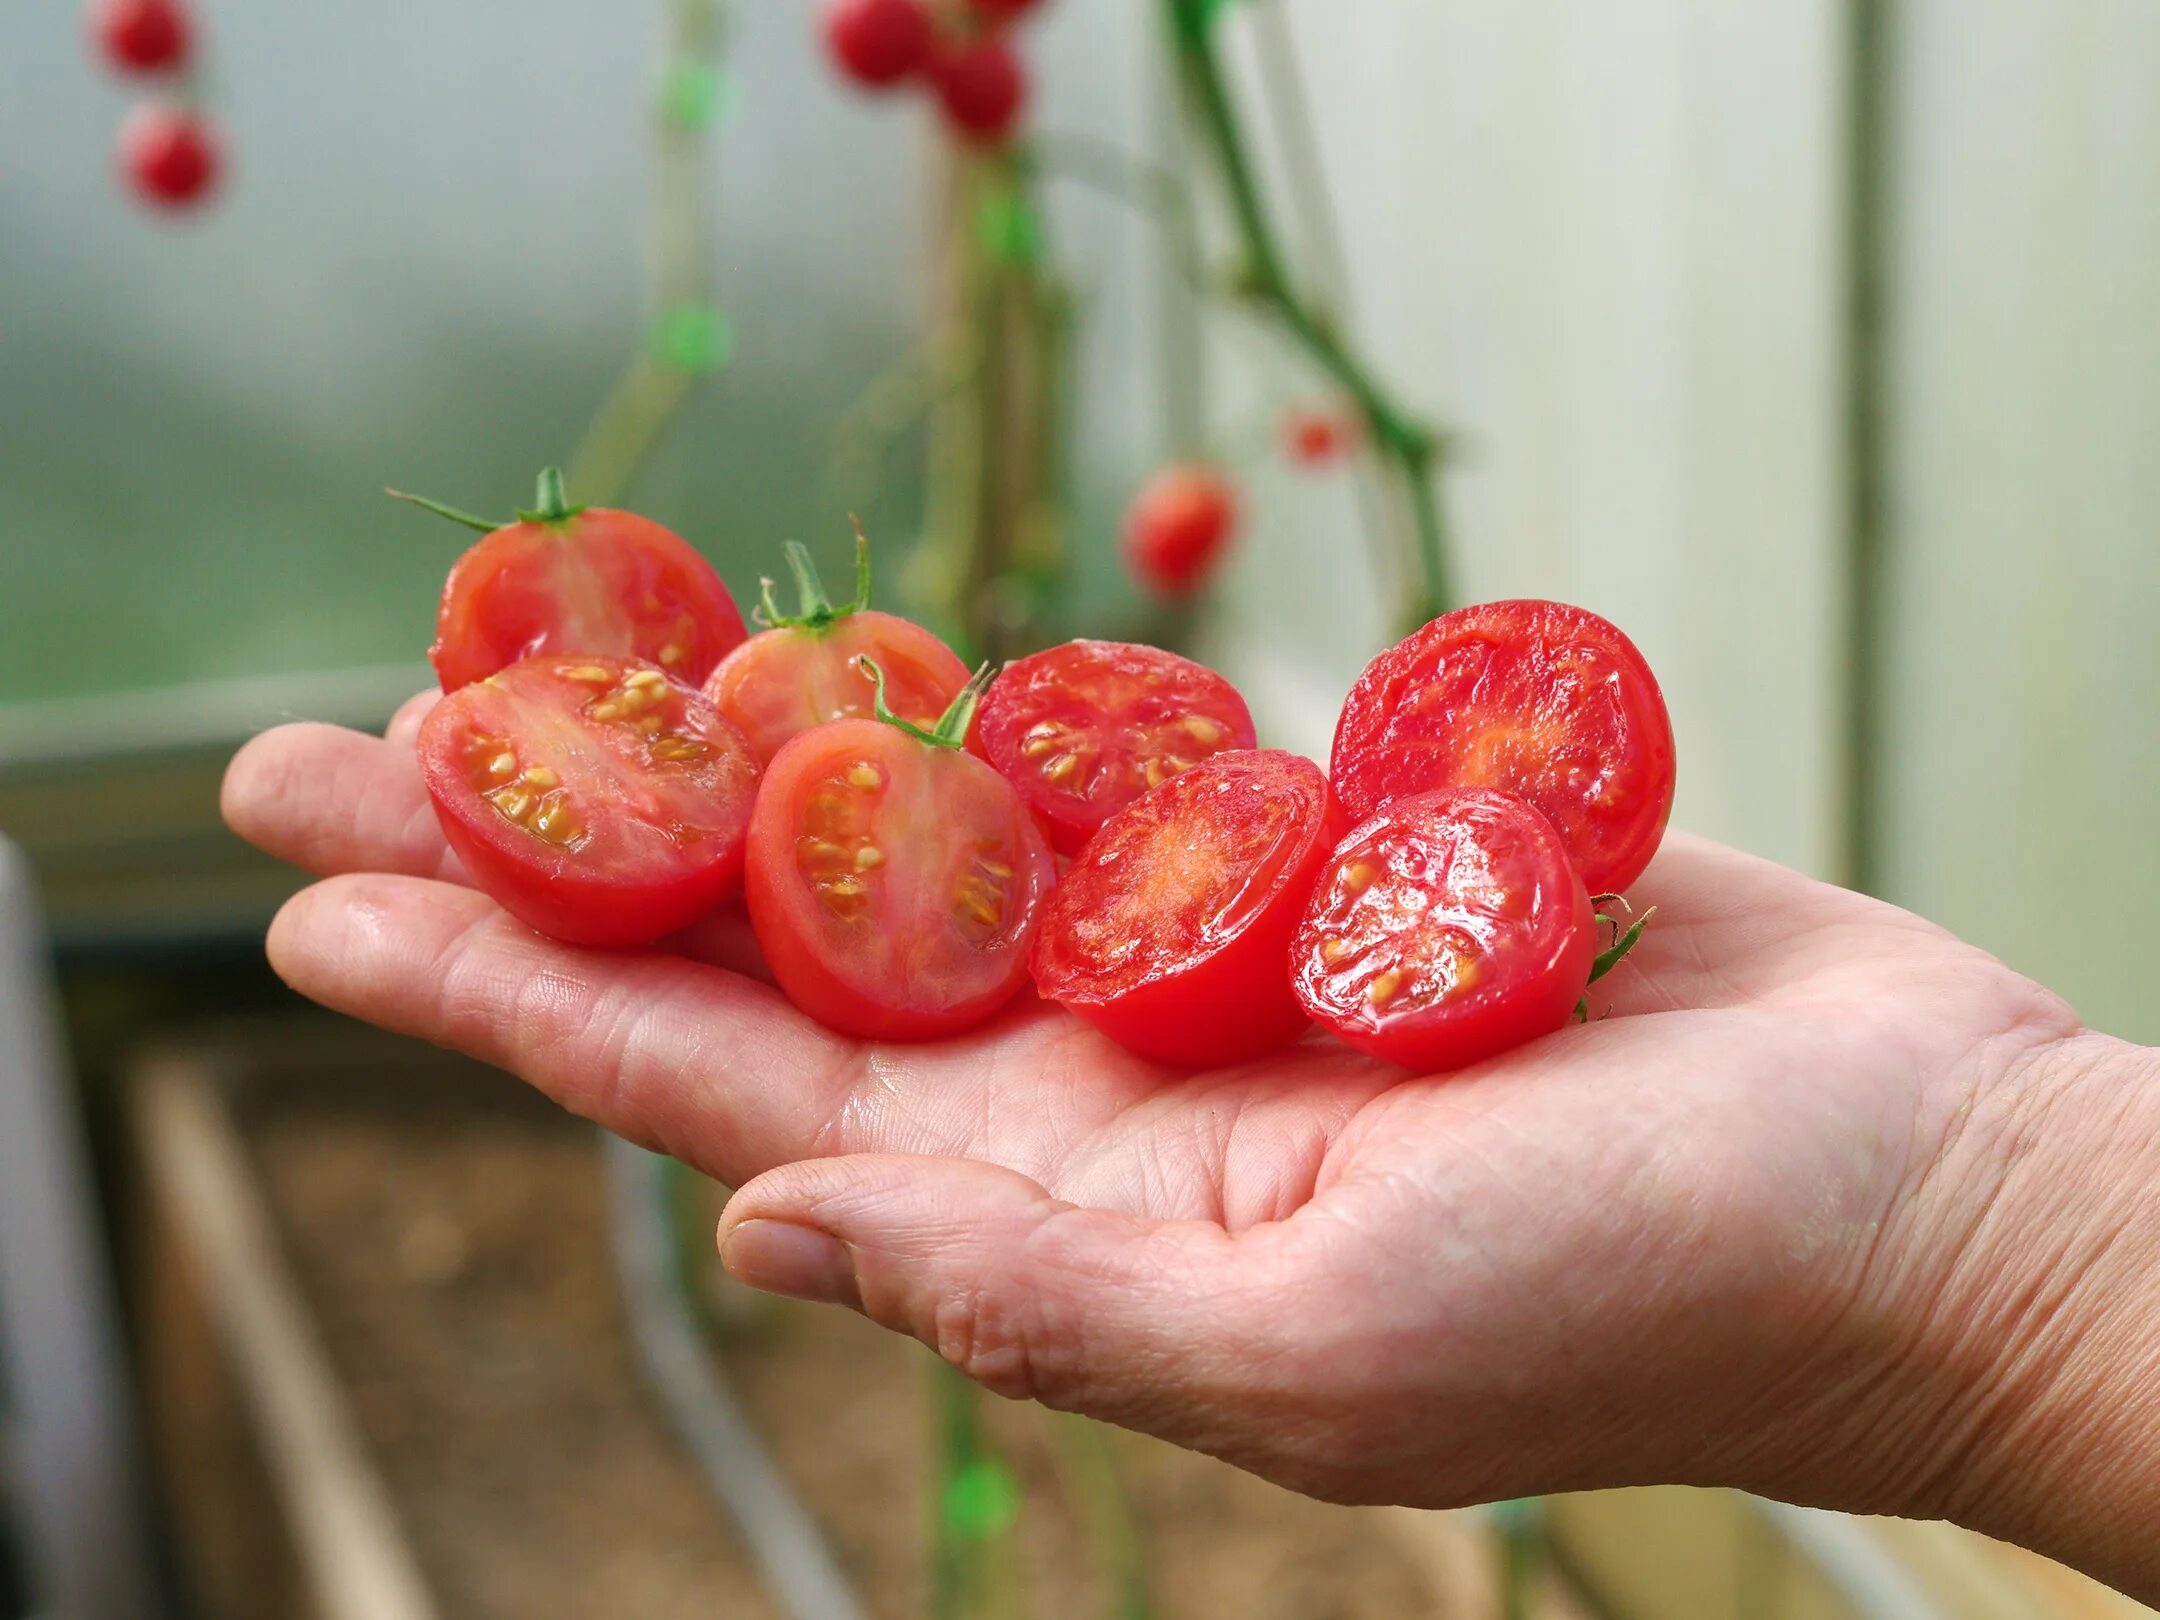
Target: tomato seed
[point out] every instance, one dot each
(869, 856)
(1383, 987)
(540, 776)
(502, 765)
(590, 673)
(865, 775)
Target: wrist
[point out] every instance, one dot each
(2043, 1341)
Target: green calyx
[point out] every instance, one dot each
(1614, 954)
(815, 611)
(952, 727)
(549, 506)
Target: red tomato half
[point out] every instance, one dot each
(597, 800)
(1541, 699)
(598, 581)
(808, 667)
(1170, 932)
(1449, 928)
(894, 884)
(1084, 729)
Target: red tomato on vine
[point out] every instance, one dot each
(983, 89)
(1178, 528)
(168, 156)
(142, 36)
(880, 43)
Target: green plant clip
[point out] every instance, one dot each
(980, 1501)
(814, 609)
(952, 727)
(692, 338)
(695, 95)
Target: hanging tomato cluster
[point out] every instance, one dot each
(169, 157)
(966, 60)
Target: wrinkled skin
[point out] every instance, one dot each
(1826, 1208)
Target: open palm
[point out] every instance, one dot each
(1668, 1245)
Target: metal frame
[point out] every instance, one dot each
(61, 1377)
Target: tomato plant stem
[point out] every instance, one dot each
(1090, 1474)
(685, 337)
(1411, 448)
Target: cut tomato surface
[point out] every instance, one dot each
(594, 581)
(1538, 698)
(1447, 929)
(1085, 728)
(894, 884)
(595, 799)
(1171, 931)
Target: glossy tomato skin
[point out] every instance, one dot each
(1085, 728)
(894, 886)
(1538, 698)
(781, 682)
(1178, 528)
(601, 582)
(1447, 929)
(1171, 931)
(592, 798)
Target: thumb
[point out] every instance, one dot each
(1148, 1323)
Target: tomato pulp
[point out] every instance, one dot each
(595, 799)
(894, 879)
(807, 669)
(1085, 728)
(1172, 929)
(1541, 699)
(578, 580)
(1447, 929)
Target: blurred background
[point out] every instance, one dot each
(1815, 342)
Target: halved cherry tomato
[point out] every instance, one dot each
(594, 798)
(1170, 932)
(1542, 699)
(575, 579)
(807, 668)
(1085, 728)
(894, 879)
(1447, 929)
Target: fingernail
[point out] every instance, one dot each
(801, 1262)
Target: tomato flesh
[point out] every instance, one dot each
(1447, 929)
(1170, 932)
(601, 582)
(781, 682)
(595, 799)
(894, 885)
(1085, 728)
(1538, 698)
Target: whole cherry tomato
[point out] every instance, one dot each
(1085, 728)
(806, 669)
(983, 89)
(1317, 436)
(1178, 528)
(1545, 700)
(168, 155)
(1171, 931)
(141, 36)
(595, 799)
(880, 43)
(1449, 928)
(894, 879)
(575, 579)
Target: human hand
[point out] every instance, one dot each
(1753, 1228)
